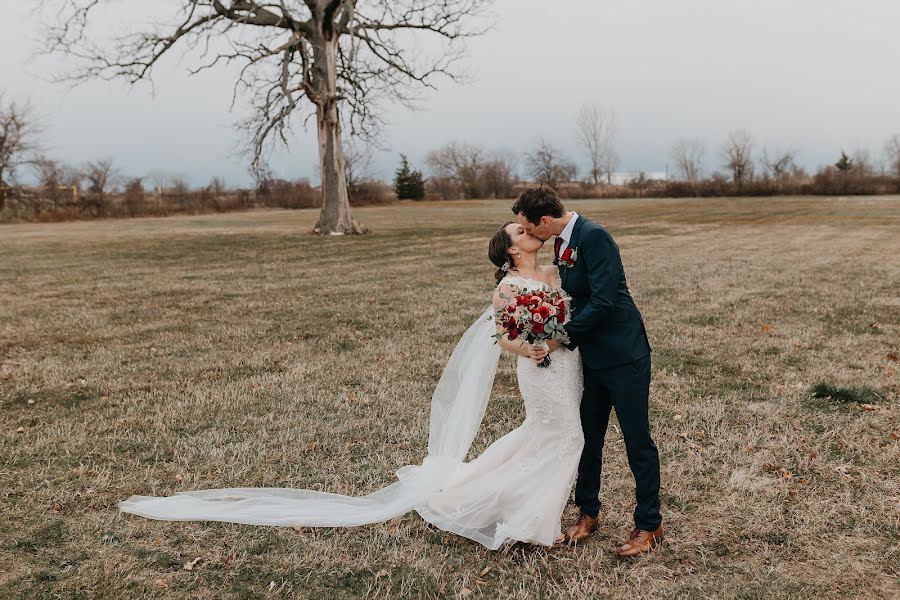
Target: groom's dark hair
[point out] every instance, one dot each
(539, 201)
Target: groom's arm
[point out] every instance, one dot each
(599, 254)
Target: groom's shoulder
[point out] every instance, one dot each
(591, 230)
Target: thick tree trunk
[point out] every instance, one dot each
(335, 217)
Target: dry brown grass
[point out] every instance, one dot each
(155, 355)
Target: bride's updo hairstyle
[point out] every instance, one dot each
(498, 251)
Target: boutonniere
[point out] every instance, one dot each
(567, 258)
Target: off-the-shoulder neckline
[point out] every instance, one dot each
(528, 279)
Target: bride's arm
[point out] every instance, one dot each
(554, 269)
(517, 346)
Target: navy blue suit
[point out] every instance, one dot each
(608, 328)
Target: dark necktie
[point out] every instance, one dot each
(556, 246)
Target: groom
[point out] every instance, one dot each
(615, 353)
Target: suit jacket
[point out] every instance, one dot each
(605, 323)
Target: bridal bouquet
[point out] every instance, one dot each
(534, 316)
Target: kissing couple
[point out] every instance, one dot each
(517, 488)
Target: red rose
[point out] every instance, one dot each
(561, 313)
(567, 254)
(537, 327)
(513, 334)
(545, 312)
(510, 309)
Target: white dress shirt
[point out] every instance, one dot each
(566, 233)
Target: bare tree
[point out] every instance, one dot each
(160, 180)
(687, 154)
(461, 162)
(892, 154)
(217, 185)
(357, 162)
(59, 181)
(54, 173)
(550, 165)
(99, 175)
(134, 195)
(213, 195)
(738, 153)
(317, 55)
(780, 166)
(863, 164)
(179, 185)
(47, 171)
(499, 174)
(18, 142)
(596, 129)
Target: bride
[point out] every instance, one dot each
(515, 490)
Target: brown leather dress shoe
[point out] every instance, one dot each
(581, 528)
(640, 542)
(631, 536)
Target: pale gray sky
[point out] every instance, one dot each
(816, 76)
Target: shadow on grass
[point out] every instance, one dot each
(48, 535)
(862, 394)
(75, 397)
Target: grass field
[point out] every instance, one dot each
(155, 355)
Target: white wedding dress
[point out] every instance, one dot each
(515, 490)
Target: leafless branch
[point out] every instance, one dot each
(687, 154)
(19, 145)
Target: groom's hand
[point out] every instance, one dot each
(553, 345)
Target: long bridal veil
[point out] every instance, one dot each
(457, 409)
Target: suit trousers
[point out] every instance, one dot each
(625, 388)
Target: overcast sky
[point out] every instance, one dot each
(815, 76)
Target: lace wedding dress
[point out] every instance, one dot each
(515, 490)
(518, 487)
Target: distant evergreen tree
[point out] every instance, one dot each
(408, 183)
(844, 164)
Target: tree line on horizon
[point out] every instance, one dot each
(456, 170)
(464, 170)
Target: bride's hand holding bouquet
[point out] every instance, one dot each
(535, 317)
